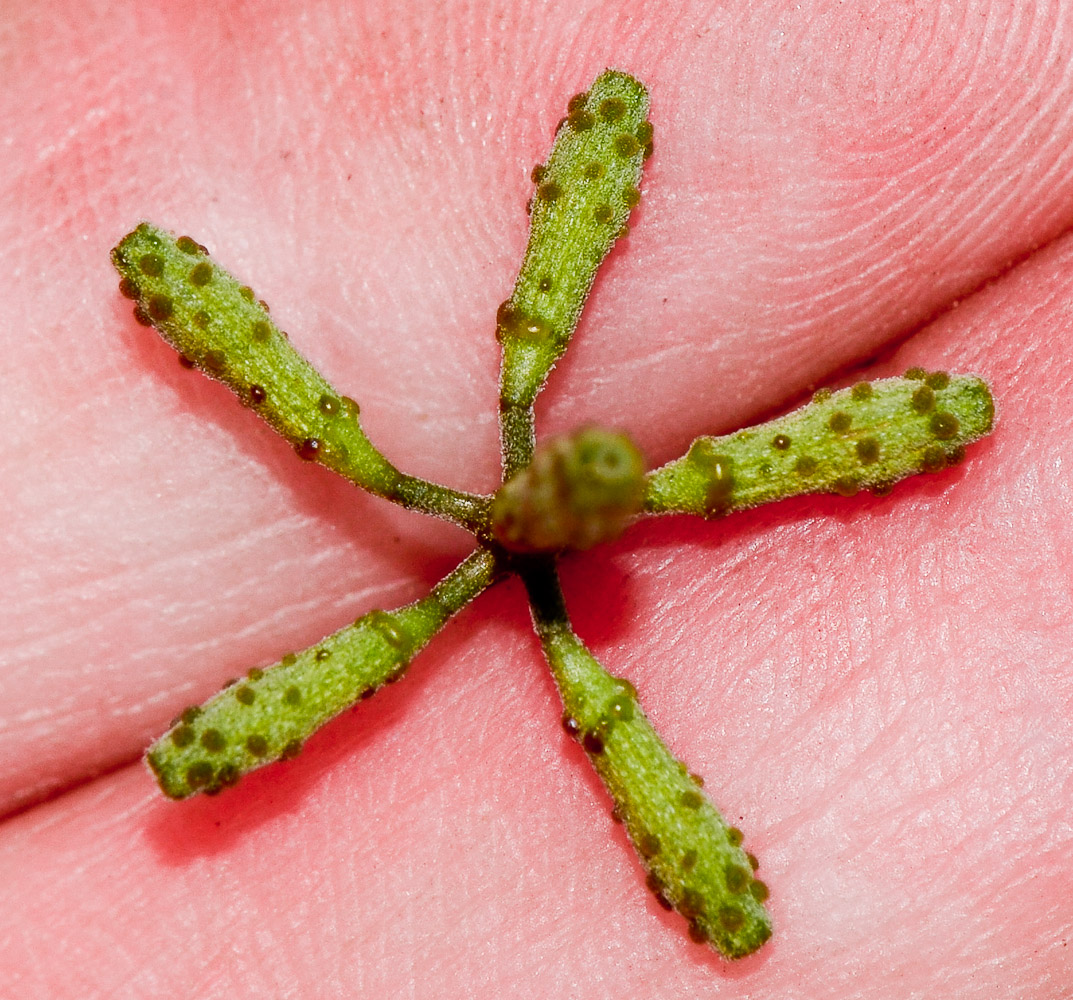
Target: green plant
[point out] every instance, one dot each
(569, 493)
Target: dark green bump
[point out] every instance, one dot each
(731, 917)
(611, 109)
(806, 465)
(214, 362)
(840, 421)
(916, 373)
(289, 660)
(602, 213)
(201, 319)
(593, 171)
(735, 836)
(593, 743)
(350, 407)
(549, 191)
(292, 696)
(937, 380)
(737, 877)
(538, 173)
(627, 685)
(691, 799)
(648, 150)
(934, 459)
(821, 395)
(151, 265)
(228, 775)
(923, 399)
(159, 307)
(644, 133)
(247, 293)
(186, 362)
(190, 714)
(648, 845)
(868, 450)
(881, 489)
(754, 862)
(689, 860)
(182, 736)
(544, 284)
(199, 774)
(213, 740)
(759, 890)
(322, 654)
(845, 487)
(626, 145)
(697, 934)
(956, 455)
(201, 274)
(780, 442)
(577, 102)
(861, 391)
(692, 903)
(580, 120)
(696, 779)
(190, 246)
(944, 426)
(621, 708)
(257, 395)
(245, 695)
(631, 196)
(128, 289)
(260, 331)
(257, 744)
(309, 449)
(390, 630)
(328, 405)
(291, 750)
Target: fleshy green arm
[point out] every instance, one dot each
(868, 436)
(584, 194)
(270, 713)
(694, 860)
(217, 325)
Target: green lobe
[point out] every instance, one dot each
(693, 859)
(868, 436)
(582, 200)
(270, 713)
(217, 325)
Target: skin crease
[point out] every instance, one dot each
(877, 690)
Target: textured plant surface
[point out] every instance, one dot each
(569, 493)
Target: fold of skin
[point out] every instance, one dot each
(876, 690)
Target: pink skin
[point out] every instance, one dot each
(877, 690)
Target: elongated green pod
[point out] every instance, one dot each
(583, 198)
(216, 324)
(868, 436)
(693, 859)
(270, 713)
(579, 490)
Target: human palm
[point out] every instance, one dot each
(876, 690)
